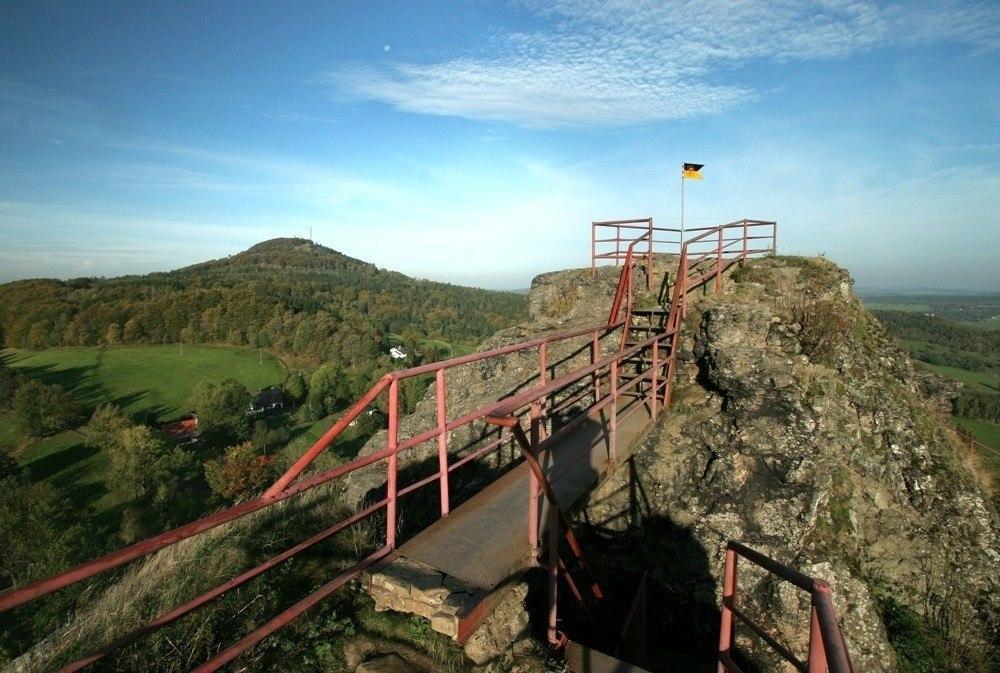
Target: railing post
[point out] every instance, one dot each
(817, 653)
(537, 434)
(774, 238)
(745, 239)
(543, 377)
(391, 465)
(442, 444)
(595, 350)
(649, 257)
(727, 629)
(681, 286)
(618, 244)
(553, 544)
(656, 365)
(593, 249)
(533, 490)
(614, 413)
(718, 263)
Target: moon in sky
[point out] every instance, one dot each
(387, 47)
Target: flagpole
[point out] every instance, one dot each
(682, 206)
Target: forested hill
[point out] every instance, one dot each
(286, 294)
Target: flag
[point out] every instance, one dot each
(692, 171)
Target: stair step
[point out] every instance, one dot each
(648, 328)
(582, 659)
(650, 311)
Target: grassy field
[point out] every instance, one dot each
(985, 431)
(150, 383)
(305, 435)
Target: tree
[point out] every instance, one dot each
(9, 382)
(40, 532)
(113, 336)
(41, 409)
(412, 341)
(105, 426)
(132, 332)
(295, 387)
(134, 453)
(326, 391)
(240, 472)
(222, 410)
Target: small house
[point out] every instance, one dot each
(267, 400)
(397, 353)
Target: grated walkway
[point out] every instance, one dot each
(484, 541)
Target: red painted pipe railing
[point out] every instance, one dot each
(603, 381)
(827, 647)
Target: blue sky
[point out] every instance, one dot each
(474, 142)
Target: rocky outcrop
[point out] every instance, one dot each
(799, 427)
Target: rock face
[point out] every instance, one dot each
(800, 428)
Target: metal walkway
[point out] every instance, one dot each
(484, 542)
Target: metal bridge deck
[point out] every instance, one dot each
(484, 541)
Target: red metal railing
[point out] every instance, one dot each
(549, 394)
(827, 648)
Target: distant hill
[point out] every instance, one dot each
(286, 294)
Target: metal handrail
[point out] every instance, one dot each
(827, 647)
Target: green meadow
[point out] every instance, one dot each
(151, 383)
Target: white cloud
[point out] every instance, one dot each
(618, 63)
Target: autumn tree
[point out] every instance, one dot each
(240, 472)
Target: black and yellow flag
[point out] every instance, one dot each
(692, 171)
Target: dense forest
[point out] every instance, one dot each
(947, 343)
(288, 295)
(971, 348)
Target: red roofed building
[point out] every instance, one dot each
(184, 430)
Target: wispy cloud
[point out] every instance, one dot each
(618, 63)
(296, 117)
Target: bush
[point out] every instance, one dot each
(824, 326)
